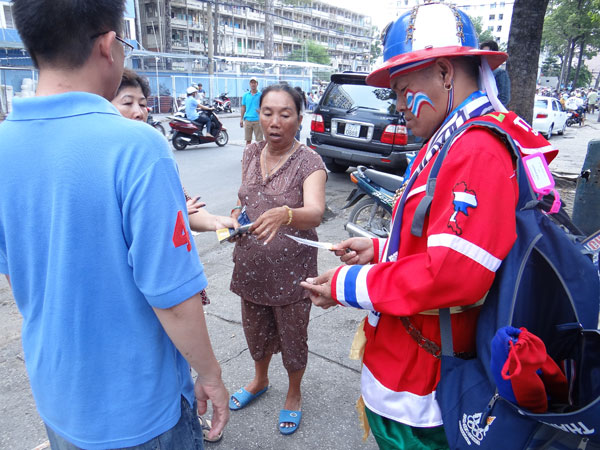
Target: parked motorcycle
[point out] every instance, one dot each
(222, 103)
(576, 117)
(155, 123)
(185, 132)
(373, 200)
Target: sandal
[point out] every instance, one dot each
(206, 426)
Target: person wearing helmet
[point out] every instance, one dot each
(192, 105)
(442, 79)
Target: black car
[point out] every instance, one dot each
(355, 124)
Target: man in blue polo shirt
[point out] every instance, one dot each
(249, 113)
(104, 273)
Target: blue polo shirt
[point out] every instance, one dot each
(251, 102)
(190, 108)
(93, 235)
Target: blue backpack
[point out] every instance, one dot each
(548, 284)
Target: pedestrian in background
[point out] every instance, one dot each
(500, 75)
(283, 192)
(105, 274)
(304, 105)
(249, 113)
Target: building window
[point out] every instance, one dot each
(490, 28)
(500, 16)
(150, 30)
(492, 16)
(499, 29)
(8, 17)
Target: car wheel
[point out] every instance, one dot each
(178, 142)
(562, 130)
(549, 132)
(336, 168)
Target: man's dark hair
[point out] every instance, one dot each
(59, 32)
(492, 45)
(469, 64)
(132, 79)
(296, 97)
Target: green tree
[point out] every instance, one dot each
(482, 36)
(376, 50)
(310, 51)
(571, 32)
(551, 67)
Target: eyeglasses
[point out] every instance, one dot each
(127, 47)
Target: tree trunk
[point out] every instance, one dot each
(563, 69)
(269, 29)
(570, 61)
(168, 34)
(581, 49)
(216, 29)
(524, 49)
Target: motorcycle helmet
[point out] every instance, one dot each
(191, 90)
(429, 31)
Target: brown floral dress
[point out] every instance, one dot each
(271, 274)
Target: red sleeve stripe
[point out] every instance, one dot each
(378, 248)
(466, 248)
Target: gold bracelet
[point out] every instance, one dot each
(290, 214)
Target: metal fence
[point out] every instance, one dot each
(15, 82)
(166, 87)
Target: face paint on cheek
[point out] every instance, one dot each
(416, 100)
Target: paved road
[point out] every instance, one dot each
(331, 383)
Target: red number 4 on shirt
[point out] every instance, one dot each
(181, 235)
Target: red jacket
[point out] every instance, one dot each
(470, 229)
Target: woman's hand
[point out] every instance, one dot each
(225, 222)
(266, 226)
(193, 205)
(356, 250)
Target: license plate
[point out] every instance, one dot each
(352, 130)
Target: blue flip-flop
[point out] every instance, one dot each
(244, 397)
(287, 416)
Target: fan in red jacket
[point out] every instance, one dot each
(442, 80)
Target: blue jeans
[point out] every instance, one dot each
(185, 435)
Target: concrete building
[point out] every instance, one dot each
(240, 30)
(495, 14)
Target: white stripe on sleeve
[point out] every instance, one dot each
(464, 247)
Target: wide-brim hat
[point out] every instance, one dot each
(427, 32)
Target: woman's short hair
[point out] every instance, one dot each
(132, 79)
(296, 97)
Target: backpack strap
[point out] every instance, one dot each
(526, 194)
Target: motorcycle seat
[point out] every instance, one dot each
(387, 181)
(179, 119)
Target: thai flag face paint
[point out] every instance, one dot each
(416, 100)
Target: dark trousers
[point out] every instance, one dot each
(202, 120)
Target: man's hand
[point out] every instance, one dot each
(320, 289)
(241, 123)
(360, 250)
(218, 395)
